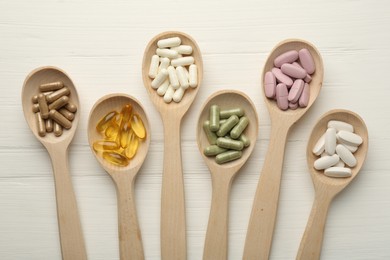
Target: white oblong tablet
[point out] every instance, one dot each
(153, 69)
(346, 155)
(326, 162)
(169, 42)
(338, 172)
(349, 138)
(340, 125)
(330, 141)
(319, 147)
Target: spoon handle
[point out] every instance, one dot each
(265, 205)
(311, 243)
(130, 240)
(215, 247)
(173, 224)
(71, 236)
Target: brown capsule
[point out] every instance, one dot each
(66, 113)
(35, 108)
(49, 125)
(71, 107)
(59, 103)
(43, 106)
(57, 94)
(40, 125)
(60, 119)
(51, 86)
(57, 129)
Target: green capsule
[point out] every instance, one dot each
(245, 140)
(228, 125)
(229, 112)
(214, 118)
(230, 144)
(213, 150)
(239, 128)
(211, 136)
(228, 156)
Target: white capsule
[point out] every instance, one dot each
(351, 148)
(169, 42)
(163, 88)
(340, 125)
(168, 53)
(178, 95)
(181, 75)
(319, 147)
(173, 77)
(349, 138)
(193, 76)
(183, 49)
(164, 63)
(160, 78)
(330, 141)
(346, 155)
(169, 94)
(326, 162)
(153, 69)
(184, 61)
(338, 172)
(340, 164)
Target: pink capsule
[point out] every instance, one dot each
(307, 61)
(282, 96)
(293, 106)
(269, 84)
(305, 96)
(293, 71)
(296, 91)
(281, 77)
(287, 57)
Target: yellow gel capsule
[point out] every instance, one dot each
(126, 113)
(104, 146)
(106, 121)
(138, 126)
(116, 158)
(124, 135)
(132, 147)
(112, 131)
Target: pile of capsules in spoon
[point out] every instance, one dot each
(173, 69)
(336, 147)
(122, 132)
(53, 108)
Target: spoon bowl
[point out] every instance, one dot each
(130, 241)
(223, 174)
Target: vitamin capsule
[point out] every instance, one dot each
(269, 85)
(60, 119)
(349, 138)
(293, 71)
(169, 42)
(71, 107)
(57, 94)
(184, 61)
(305, 96)
(163, 88)
(239, 128)
(167, 53)
(227, 126)
(307, 61)
(173, 77)
(214, 118)
(226, 113)
(124, 134)
(293, 106)
(126, 113)
(282, 96)
(164, 64)
(160, 78)
(43, 108)
(62, 101)
(346, 155)
(35, 108)
(168, 96)
(103, 146)
(245, 140)
(132, 147)
(230, 144)
(181, 75)
(282, 77)
(339, 164)
(351, 148)
(193, 76)
(319, 147)
(113, 132)
(115, 158)
(228, 156)
(296, 91)
(138, 126)
(330, 141)
(326, 162)
(178, 95)
(107, 120)
(153, 69)
(211, 136)
(51, 86)
(340, 125)
(183, 49)
(34, 99)
(49, 125)
(57, 129)
(66, 113)
(338, 172)
(287, 57)
(213, 150)
(40, 124)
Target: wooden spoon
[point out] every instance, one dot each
(71, 236)
(263, 216)
(173, 226)
(130, 240)
(223, 174)
(326, 188)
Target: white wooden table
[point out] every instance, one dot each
(100, 45)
